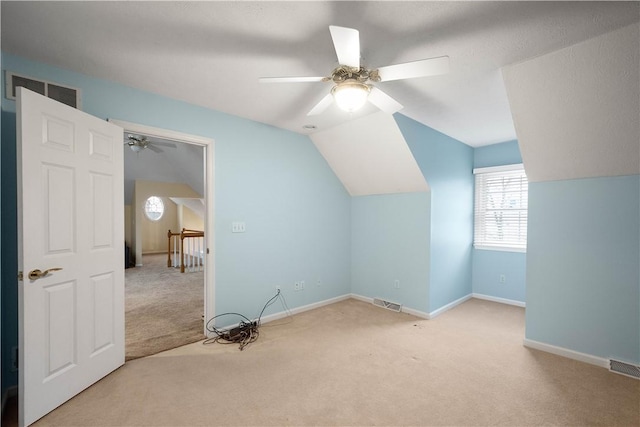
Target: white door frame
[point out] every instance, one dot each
(208, 147)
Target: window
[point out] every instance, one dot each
(500, 215)
(154, 208)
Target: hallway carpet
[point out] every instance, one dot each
(351, 363)
(163, 307)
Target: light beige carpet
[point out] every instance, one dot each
(351, 363)
(163, 307)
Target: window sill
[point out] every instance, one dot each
(500, 248)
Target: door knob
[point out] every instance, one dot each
(37, 274)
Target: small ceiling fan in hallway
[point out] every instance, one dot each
(353, 82)
(138, 143)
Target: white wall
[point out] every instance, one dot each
(127, 225)
(189, 219)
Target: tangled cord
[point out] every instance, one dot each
(244, 334)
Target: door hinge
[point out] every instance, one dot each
(20, 276)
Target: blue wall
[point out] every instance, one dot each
(504, 153)
(390, 241)
(447, 165)
(488, 265)
(296, 211)
(583, 279)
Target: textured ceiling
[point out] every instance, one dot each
(183, 163)
(212, 53)
(577, 110)
(374, 159)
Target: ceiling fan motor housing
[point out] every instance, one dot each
(361, 75)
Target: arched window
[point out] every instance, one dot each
(154, 208)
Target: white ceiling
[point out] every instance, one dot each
(183, 163)
(577, 110)
(375, 159)
(212, 53)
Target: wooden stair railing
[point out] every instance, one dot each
(184, 234)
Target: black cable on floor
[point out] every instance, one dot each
(244, 334)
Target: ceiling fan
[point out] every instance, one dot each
(352, 81)
(139, 143)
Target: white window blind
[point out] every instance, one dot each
(501, 202)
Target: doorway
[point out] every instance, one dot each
(188, 298)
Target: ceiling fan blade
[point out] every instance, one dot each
(290, 79)
(154, 149)
(321, 106)
(347, 44)
(383, 101)
(410, 70)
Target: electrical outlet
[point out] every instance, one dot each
(396, 284)
(319, 282)
(503, 278)
(296, 286)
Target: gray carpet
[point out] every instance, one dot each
(353, 364)
(163, 307)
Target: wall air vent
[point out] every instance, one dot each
(393, 306)
(624, 368)
(65, 94)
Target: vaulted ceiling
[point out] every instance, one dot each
(181, 162)
(212, 53)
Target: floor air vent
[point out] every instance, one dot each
(394, 306)
(623, 368)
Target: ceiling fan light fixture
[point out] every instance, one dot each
(350, 95)
(135, 148)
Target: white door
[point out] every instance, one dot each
(70, 210)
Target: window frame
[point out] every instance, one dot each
(487, 245)
(146, 213)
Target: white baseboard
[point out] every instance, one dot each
(9, 393)
(362, 298)
(500, 300)
(416, 313)
(449, 306)
(282, 314)
(565, 352)
(419, 313)
(407, 310)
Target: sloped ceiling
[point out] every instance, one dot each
(183, 163)
(212, 53)
(196, 205)
(577, 110)
(370, 156)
